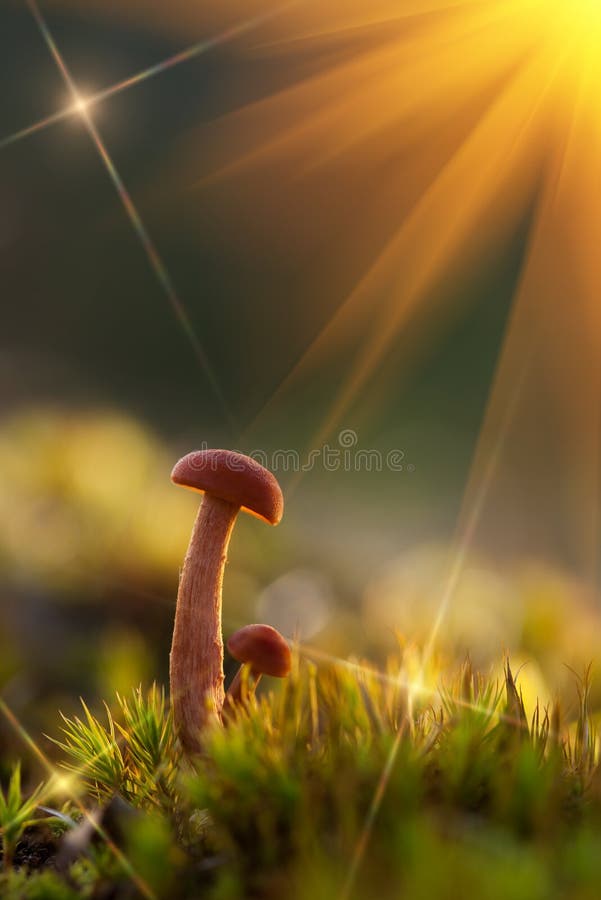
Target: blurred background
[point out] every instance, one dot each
(294, 232)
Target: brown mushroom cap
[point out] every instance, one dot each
(233, 477)
(263, 647)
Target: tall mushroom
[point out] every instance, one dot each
(230, 482)
(264, 650)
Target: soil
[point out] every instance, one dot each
(36, 850)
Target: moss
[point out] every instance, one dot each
(346, 782)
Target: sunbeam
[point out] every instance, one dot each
(376, 802)
(428, 243)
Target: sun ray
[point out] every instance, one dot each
(463, 543)
(487, 457)
(386, 18)
(320, 112)
(372, 814)
(489, 462)
(446, 240)
(563, 375)
(41, 125)
(509, 166)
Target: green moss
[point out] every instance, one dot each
(345, 783)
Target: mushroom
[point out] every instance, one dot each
(230, 481)
(264, 650)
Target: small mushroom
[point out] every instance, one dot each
(230, 481)
(264, 650)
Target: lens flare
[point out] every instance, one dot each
(152, 254)
(182, 56)
(81, 104)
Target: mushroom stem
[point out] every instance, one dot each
(196, 660)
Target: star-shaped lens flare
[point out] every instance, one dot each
(81, 106)
(183, 56)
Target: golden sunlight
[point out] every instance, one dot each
(473, 117)
(435, 133)
(81, 104)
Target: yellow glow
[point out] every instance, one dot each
(587, 12)
(575, 26)
(62, 785)
(81, 105)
